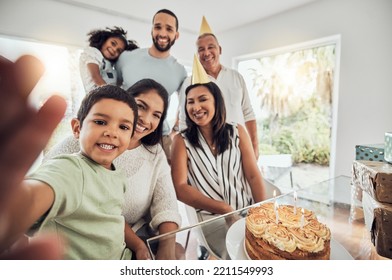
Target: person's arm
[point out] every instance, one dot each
(181, 115)
(176, 127)
(30, 201)
(119, 66)
(186, 193)
(164, 213)
(136, 244)
(95, 74)
(179, 123)
(251, 127)
(163, 205)
(249, 115)
(167, 246)
(249, 163)
(21, 143)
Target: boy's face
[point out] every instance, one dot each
(106, 131)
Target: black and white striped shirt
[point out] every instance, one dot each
(222, 177)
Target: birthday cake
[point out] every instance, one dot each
(285, 233)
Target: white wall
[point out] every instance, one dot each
(365, 91)
(365, 97)
(56, 22)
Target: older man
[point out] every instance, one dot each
(230, 81)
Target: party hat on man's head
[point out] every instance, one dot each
(199, 75)
(204, 27)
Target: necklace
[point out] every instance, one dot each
(212, 146)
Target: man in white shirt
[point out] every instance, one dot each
(230, 82)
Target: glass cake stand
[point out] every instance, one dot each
(223, 237)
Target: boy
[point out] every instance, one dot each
(80, 195)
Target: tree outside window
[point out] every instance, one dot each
(292, 97)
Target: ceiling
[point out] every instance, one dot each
(222, 15)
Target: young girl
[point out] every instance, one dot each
(97, 61)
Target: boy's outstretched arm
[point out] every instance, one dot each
(32, 199)
(24, 132)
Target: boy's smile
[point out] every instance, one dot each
(106, 131)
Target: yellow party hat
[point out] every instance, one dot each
(199, 75)
(204, 27)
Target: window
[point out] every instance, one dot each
(293, 94)
(61, 76)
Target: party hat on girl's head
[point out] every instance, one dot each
(204, 27)
(199, 75)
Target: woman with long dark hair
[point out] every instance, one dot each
(213, 166)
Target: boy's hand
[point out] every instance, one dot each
(24, 132)
(142, 252)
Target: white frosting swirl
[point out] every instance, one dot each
(280, 237)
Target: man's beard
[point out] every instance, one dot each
(163, 49)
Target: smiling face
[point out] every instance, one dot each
(150, 110)
(200, 106)
(164, 33)
(112, 48)
(209, 52)
(105, 132)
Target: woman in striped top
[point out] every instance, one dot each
(214, 168)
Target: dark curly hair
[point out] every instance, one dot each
(99, 36)
(107, 92)
(132, 45)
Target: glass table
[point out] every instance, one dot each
(222, 237)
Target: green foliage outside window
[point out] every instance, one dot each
(305, 135)
(294, 91)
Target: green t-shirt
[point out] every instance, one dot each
(87, 207)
